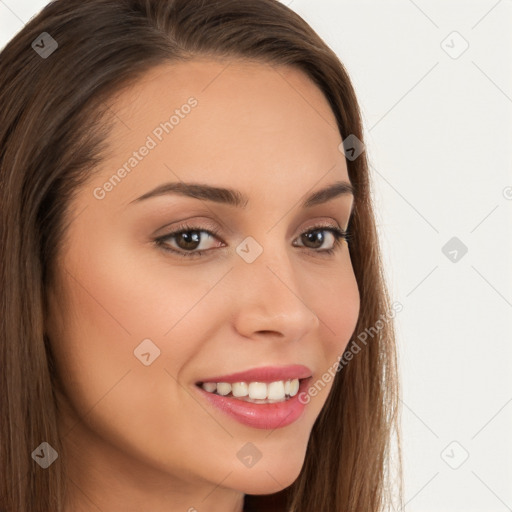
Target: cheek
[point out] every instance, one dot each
(338, 309)
(119, 296)
(337, 306)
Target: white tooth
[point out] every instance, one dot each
(223, 388)
(257, 390)
(209, 386)
(294, 387)
(239, 389)
(287, 387)
(276, 390)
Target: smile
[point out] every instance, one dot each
(260, 413)
(255, 392)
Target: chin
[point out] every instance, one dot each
(270, 478)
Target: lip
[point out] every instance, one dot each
(261, 416)
(264, 374)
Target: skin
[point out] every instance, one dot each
(136, 437)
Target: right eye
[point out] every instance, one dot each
(187, 238)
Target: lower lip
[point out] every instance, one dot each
(263, 416)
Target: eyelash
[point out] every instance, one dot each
(339, 234)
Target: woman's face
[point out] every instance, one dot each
(135, 326)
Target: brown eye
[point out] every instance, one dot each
(314, 238)
(186, 240)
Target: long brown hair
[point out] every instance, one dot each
(53, 128)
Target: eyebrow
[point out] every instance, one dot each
(236, 198)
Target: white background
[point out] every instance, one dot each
(439, 135)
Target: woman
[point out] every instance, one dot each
(189, 259)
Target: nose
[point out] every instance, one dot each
(270, 301)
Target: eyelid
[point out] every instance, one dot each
(201, 224)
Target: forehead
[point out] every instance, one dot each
(242, 124)
(223, 82)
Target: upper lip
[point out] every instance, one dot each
(265, 374)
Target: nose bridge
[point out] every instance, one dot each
(266, 263)
(270, 296)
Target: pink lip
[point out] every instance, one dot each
(262, 416)
(265, 374)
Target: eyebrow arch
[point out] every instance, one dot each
(236, 198)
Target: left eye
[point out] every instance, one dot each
(316, 235)
(188, 239)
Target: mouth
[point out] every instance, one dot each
(263, 405)
(264, 398)
(264, 385)
(255, 392)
